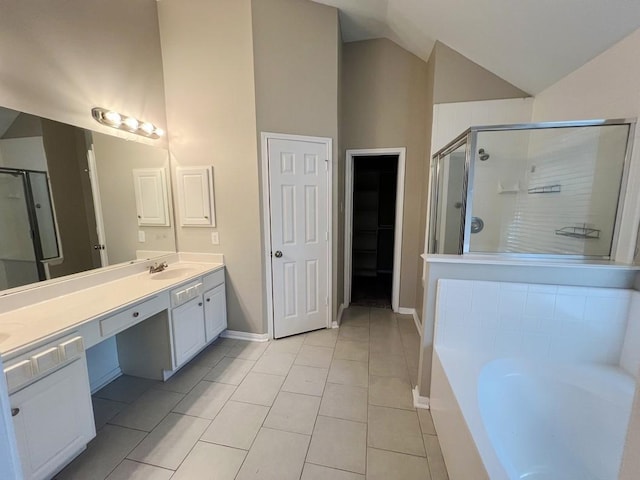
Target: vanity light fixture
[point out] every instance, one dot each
(123, 122)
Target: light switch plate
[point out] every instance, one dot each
(215, 238)
(141, 236)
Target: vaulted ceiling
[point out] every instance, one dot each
(530, 43)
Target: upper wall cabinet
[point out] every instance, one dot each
(152, 203)
(195, 196)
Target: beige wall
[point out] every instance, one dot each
(386, 104)
(115, 161)
(296, 46)
(60, 59)
(458, 79)
(207, 53)
(431, 72)
(65, 175)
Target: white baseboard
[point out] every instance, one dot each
(338, 320)
(418, 401)
(250, 337)
(416, 319)
(105, 379)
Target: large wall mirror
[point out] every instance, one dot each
(72, 200)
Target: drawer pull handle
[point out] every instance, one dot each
(15, 411)
(136, 314)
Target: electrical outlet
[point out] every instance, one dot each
(215, 238)
(141, 236)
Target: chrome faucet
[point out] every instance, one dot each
(158, 268)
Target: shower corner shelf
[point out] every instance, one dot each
(545, 189)
(579, 232)
(514, 188)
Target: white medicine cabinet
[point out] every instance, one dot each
(152, 204)
(195, 196)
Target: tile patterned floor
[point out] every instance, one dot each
(328, 405)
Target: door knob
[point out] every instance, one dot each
(278, 254)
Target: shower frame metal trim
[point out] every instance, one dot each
(469, 137)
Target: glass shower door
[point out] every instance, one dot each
(18, 262)
(448, 210)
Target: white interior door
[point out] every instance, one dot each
(298, 189)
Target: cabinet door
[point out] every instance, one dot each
(53, 420)
(215, 311)
(188, 330)
(152, 203)
(195, 196)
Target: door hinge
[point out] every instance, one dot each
(326, 164)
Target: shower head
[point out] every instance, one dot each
(484, 156)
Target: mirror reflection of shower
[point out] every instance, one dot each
(26, 205)
(549, 189)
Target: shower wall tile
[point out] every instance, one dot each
(630, 357)
(497, 319)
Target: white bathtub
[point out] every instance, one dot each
(533, 381)
(549, 421)
(517, 418)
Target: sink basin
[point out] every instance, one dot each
(170, 273)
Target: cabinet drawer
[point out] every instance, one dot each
(185, 293)
(41, 361)
(18, 374)
(214, 279)
(132, 315)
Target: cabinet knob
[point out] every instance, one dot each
(136, 314)
(200, 304)
(208, 299)
(15, 411)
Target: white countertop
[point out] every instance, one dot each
(32, 324)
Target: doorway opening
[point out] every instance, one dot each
(374, 193)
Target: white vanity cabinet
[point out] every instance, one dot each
(188, 330)
(52, 416)
(197, 318)
(215, 312)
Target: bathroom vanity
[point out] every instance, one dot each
(159, 321)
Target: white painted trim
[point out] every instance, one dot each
(97, 205)
(266, 216)
(105, 379)
(413, 312)
(338, 319)
(250, 337)
(418, 401)
(348, 219)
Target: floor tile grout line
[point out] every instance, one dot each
(128, 453)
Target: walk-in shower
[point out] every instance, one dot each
(548, 188)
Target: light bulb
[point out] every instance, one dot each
(113, 118)
(131, 123)
(147, 128)
(159, 132)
